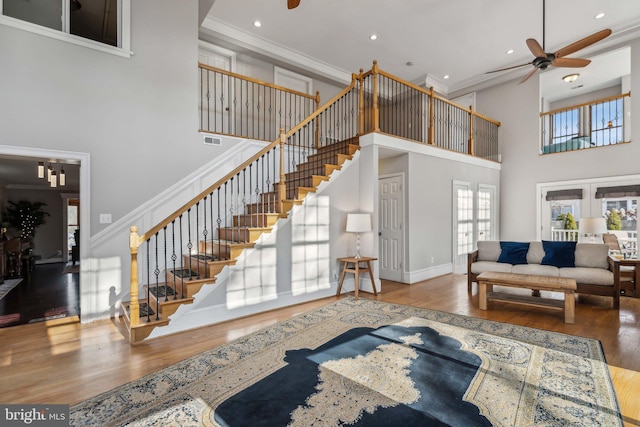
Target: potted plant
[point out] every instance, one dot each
(25, 217)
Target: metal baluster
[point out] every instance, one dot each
(148, 280)
(181, 260)
(157, 274)
(189, 242)
(174, 257)
(218, 221)
(203, 261)
(165, 264)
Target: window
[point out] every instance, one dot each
(99, 24)
(485, 215)
(606, 122)
(566, 125)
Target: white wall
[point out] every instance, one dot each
(516, 106)
(137, 118)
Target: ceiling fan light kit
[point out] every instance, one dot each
(545, 59)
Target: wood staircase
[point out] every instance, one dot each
(181, 284)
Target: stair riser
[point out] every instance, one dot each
(205, 268)
(240, 235)
(257, 220)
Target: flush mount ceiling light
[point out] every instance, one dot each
(570, 78)
(373, 37)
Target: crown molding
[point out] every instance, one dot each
(238, 38)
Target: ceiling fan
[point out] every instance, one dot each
(544, 59)
(292, 4)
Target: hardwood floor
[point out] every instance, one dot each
(48, 293)
(62, 361)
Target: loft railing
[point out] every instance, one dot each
(212, 227)
(592, 124)
(233, 104)
(397, 107)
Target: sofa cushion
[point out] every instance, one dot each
(482, 266)
(559, 254)
(513, 252)
(594, 255)
(536, 269)
(588, 276)
(536, 253)
(489, 250)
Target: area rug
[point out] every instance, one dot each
(7, 286)
(369, 363)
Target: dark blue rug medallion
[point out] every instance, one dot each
(365, 377)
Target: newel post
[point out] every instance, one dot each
(432, 130)
(282, 186)
(134, 305)
(376, 112)
(360, 78)
(472, 149)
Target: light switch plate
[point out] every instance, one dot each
(105, 218)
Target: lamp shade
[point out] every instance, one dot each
(358, 223)
(593, 225)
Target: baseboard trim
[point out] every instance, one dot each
(428, 273)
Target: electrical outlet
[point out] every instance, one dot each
(105, 218)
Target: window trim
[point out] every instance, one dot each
(124, 32)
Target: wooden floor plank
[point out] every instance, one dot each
(66, 362)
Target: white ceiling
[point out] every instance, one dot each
(460, 38)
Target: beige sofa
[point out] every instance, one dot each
(595, 272)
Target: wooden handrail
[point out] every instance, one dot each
(584, 104)
(315, 97)
(245, 164)
(431, 93)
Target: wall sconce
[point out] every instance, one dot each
(358, 223)
(570, 78)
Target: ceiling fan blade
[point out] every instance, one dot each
(536, 49)
(570, 62)
(581, 44)
(292, 4)
(528, 76)
(508, 68)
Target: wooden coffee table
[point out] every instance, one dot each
(528, 281)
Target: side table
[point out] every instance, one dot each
(353, 265)
(629, 277)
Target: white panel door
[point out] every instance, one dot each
(462, 225)
(391, 228)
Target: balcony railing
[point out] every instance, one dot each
(236, 105)
(396, 107)
(597, 123)
(233, 104)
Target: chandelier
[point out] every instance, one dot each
(54, 178)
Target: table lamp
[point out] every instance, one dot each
(592, 227)
(358, 223)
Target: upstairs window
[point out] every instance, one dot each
(77, 21)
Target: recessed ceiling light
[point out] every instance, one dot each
(509, 52)
(257, 24)
(570, 78)
(600, 15)
(446, 76)
(373, 37)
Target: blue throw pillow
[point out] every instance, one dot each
(559, 254)
(513, 252)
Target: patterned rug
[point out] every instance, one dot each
(371, 363)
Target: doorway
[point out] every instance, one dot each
(391, 227)
(47, 291)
